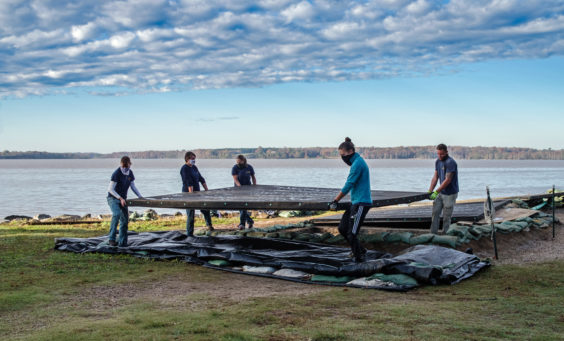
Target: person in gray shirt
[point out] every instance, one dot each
(444, 197)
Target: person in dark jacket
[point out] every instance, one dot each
(120, 182)
(358, 183)
(243, 174)
(191, 180)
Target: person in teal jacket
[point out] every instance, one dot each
(358, 184)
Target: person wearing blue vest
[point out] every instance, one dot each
(191, 180)
(444, 197)
(358, 183)
(120, 182)
(243, 175)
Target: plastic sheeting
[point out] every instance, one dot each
(426, 264)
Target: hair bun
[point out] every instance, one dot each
(348, 139)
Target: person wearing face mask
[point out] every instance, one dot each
(122, 179)
(191, 179)
(444, 197)
(358, 183)
(243, 174)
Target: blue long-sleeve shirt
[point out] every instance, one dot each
(358, 182)
(191, 177)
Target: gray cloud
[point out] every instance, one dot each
(132, 46)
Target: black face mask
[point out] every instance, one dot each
(347, 159)
(241, 165)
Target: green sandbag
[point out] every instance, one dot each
(405, 237)
(215, 233)
(524, 224)
(255, 234)
(542, 223)
(457, 230)
(271, 235)
(332, 279)
(270, 229)
(279, 227)
(304, 237)
(520, 203)
(377, 237)
(396, 237)
(320, 238)
(393, 237)
(510, 226)
(399, 279)
(286, 235)
(538, 221)
(445, 240)
(219, 262)
(335, 239)
(481, 229)
(326, 236)
(462, 232)
(421, 239)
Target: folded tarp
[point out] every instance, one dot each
(429, 264)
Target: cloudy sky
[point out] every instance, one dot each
(97, 75)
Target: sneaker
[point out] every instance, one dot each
(210, 228)
(113, 243)
(241, 227)
(251, 225)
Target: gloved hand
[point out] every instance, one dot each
(434, 195)
(333, 205)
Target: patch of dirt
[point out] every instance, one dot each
(223, 287)
(195, 289)
(534, 246)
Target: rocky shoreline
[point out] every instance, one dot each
(146, 215)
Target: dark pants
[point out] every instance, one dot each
(244, 218)
(190, 220)
(349, 227)
(119, 214)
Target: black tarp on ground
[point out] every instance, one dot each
(428, 264)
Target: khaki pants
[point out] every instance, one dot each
(445, 204)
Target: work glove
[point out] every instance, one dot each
(434, 195)
(333, 205)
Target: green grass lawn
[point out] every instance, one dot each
(47, 294)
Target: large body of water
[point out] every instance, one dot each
(56, 187)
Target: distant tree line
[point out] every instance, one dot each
(415, 152)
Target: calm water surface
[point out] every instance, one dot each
(55, 187)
